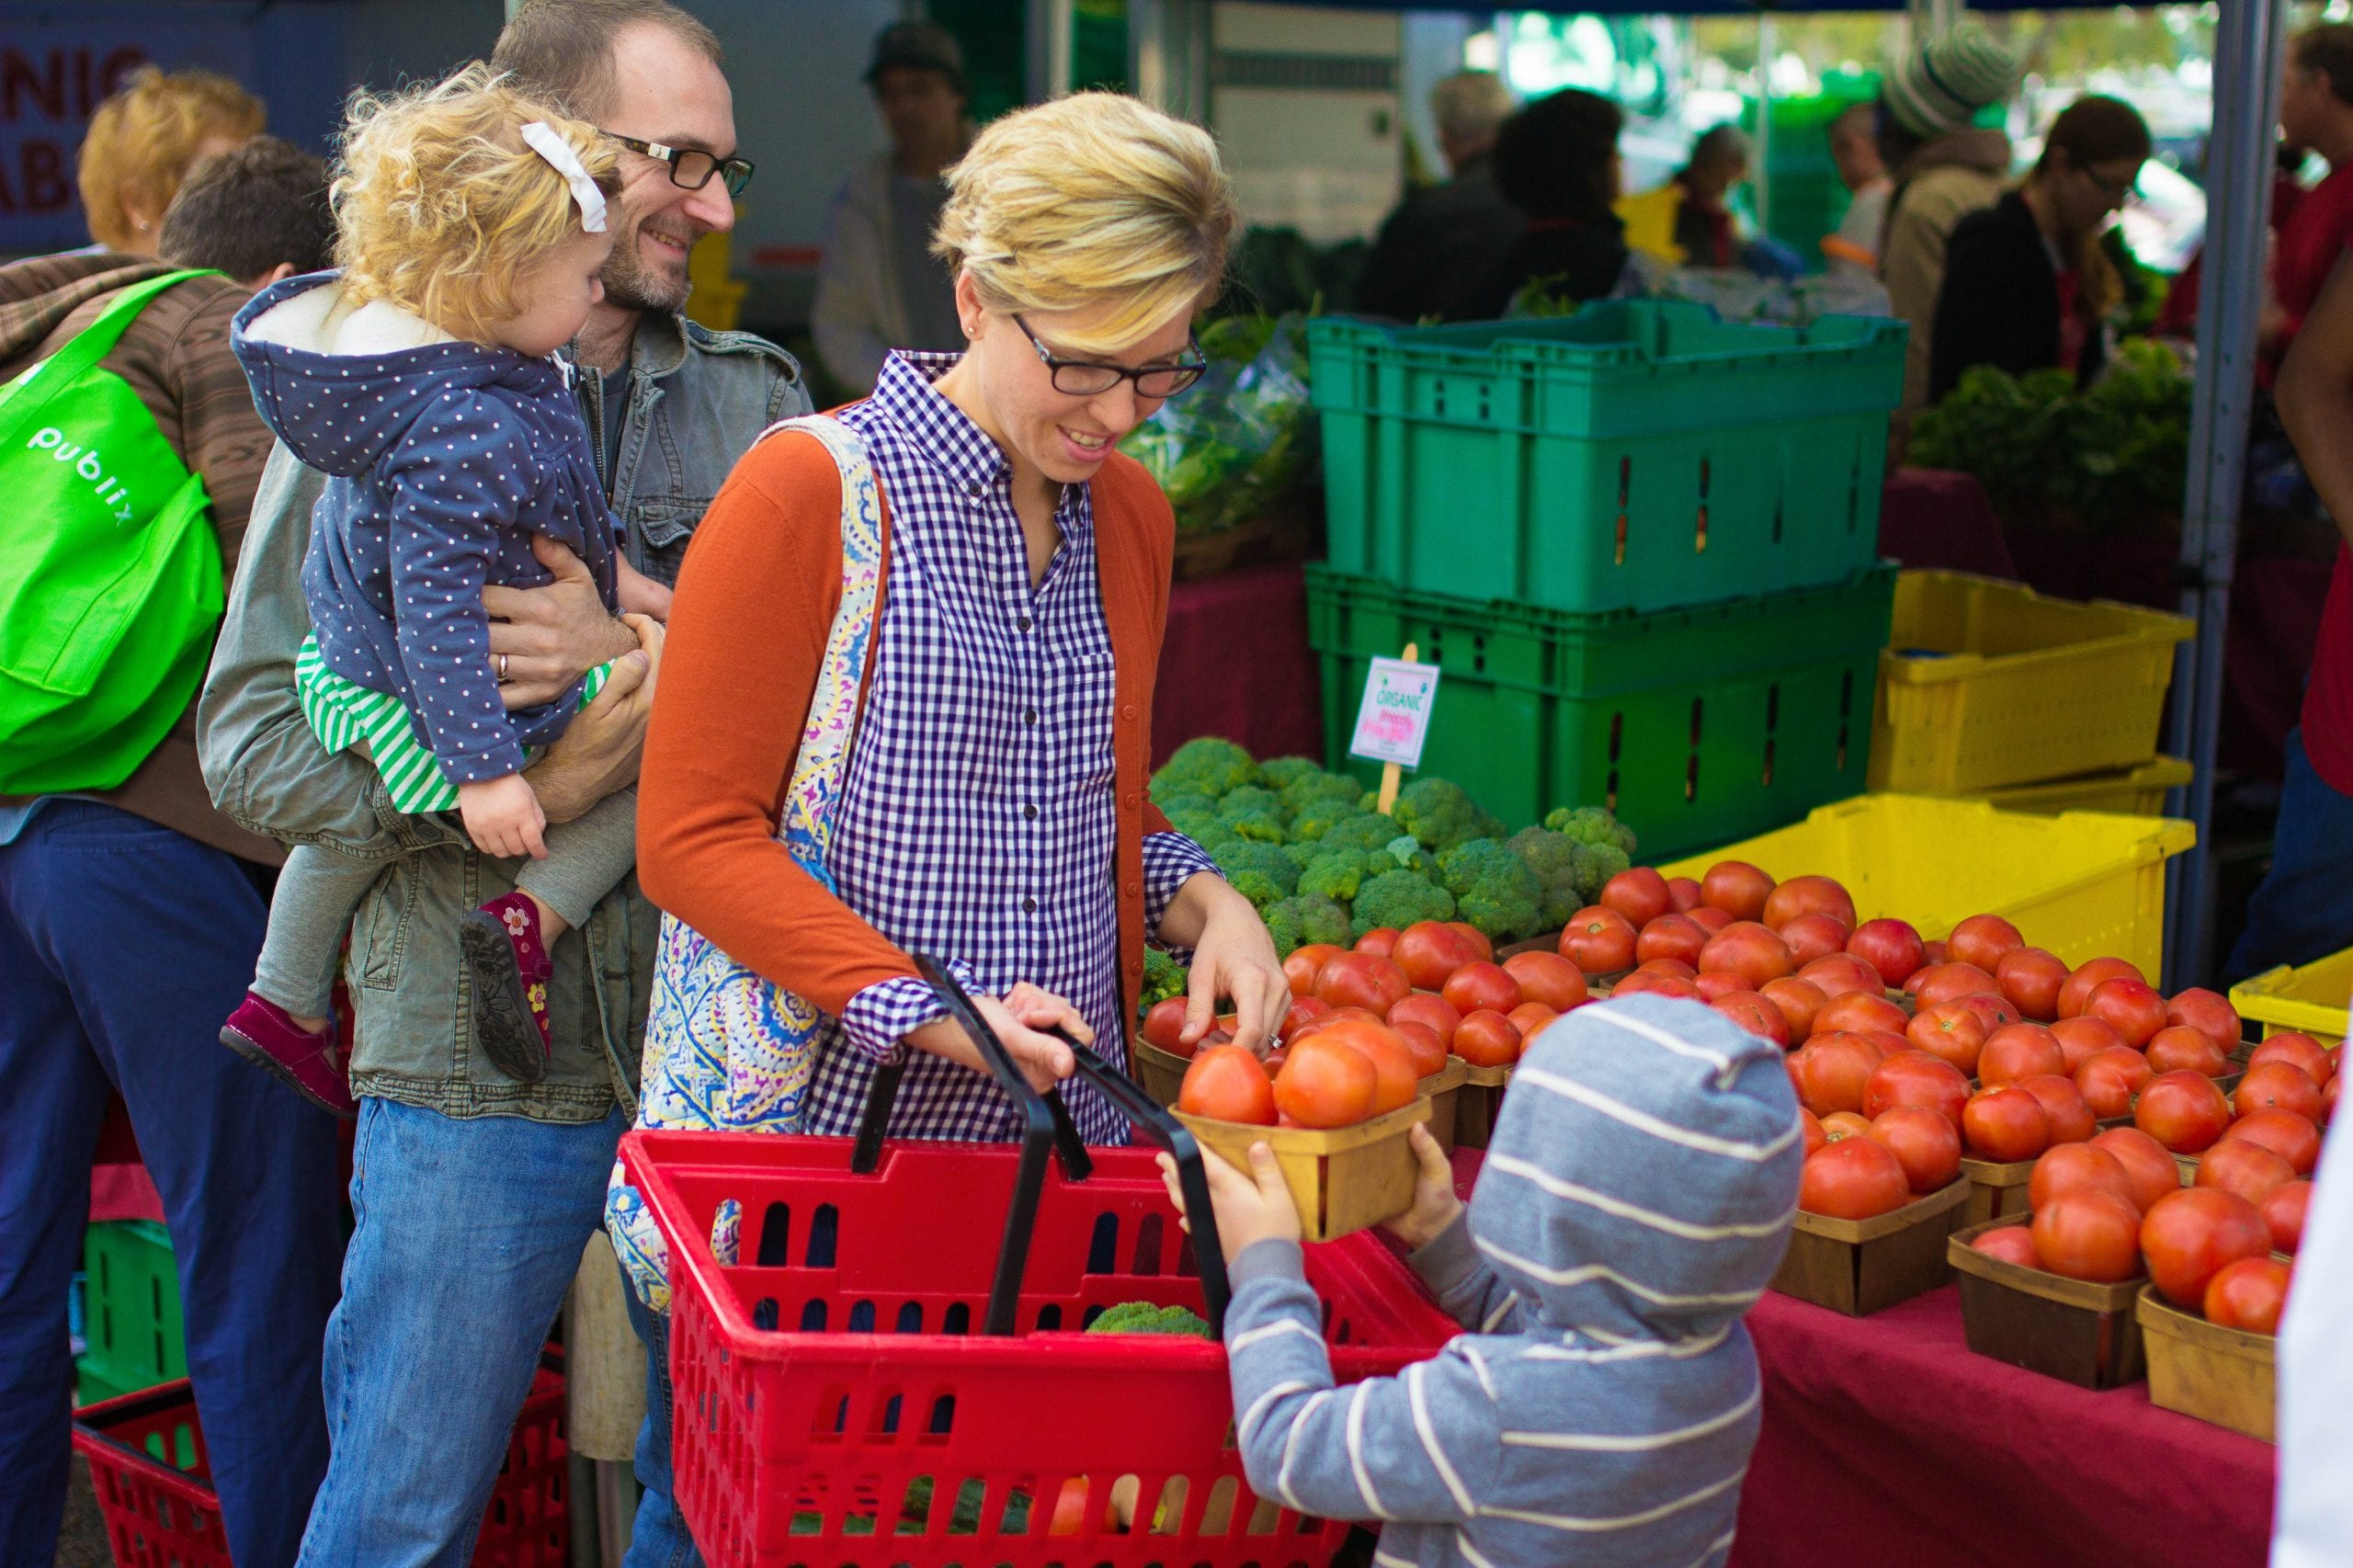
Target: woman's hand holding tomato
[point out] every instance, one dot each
(1232, 957)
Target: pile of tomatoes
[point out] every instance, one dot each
(1403, 1001)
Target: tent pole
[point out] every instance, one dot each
(2249, 43)
(1768, 40)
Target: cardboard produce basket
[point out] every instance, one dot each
(1860, 1266)
(2073, 1330)
(1344, 1178)
(2216, 1374)
(1996, 1189)
(1162, 1072)
(1443, 1089)
(1480, 1102)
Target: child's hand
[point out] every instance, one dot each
(1250, 1208)
(503, 817)
(1435, 1204)
(641, 594)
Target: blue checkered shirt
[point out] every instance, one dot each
(976, 822)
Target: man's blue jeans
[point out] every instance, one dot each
(2303, 910)
(123, 945)
(468, 1232)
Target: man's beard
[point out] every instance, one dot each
(630, 284)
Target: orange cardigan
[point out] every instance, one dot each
(755, 601)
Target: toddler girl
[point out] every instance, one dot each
(423, 380)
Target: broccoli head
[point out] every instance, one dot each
(1176, 803)
(1353, 829)
(1144, 1317)
(1398, 899)
(1259, 872)
(1608, 861)
(1252, 812)
(1563, 869)
(1591, 824)
(1442, 815)
(1281, 772)
(1306, 918)
(1332, 794)
(1493, 888)
(1336, 873)
(1407, 852)
(1162, 977)
(1205, 766)
(1197, 825)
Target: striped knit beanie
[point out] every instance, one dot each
(1940, 86)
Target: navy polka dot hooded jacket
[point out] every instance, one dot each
(444, 458)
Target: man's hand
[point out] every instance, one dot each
(550, 637)
(503, 817)
(1252, 1207)
(598, 752)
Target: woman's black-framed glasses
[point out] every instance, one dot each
(691, 167)
(1085, 378)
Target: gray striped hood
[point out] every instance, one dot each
(1643, 1174)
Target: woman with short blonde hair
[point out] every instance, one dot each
(144, 141)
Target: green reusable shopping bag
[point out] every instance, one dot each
(109, 570)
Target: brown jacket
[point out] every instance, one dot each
(1950, 178)
(176, 357)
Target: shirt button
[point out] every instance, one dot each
(1135, 890)
(1023, 623)
(1029, 715)
(1029, 907)
(1129, 712)
(1134, 799)
(1029, 811)
(973, 488)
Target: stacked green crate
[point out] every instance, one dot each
(1807, 199)
(131, 1311)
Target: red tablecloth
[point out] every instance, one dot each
(1934, 517)
(1236, 663)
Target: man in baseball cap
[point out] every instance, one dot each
(880, 288)
(1945, 167)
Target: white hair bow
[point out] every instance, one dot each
(558, 153)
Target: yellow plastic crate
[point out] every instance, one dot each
(1986, 684)
(2310, 1000)
(2132, 792)
(2083, 884)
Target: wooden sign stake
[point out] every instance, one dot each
(1389, 772)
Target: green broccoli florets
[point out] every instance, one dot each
(1562, 867)
(1398, 899)
(1331, 795)
(1162, 977)
(1176, 803)
(1303, 919)
(1247, 798)
(1336, 873)
(1304, 852)
(1196, 825)
(1608, 861)
(1407, 852)
(1494, 889)
(1259, 872)
(1205, 766)
(1261, 827)
(1358, 830)
(1442, 815)
(1144, 1317)
(1591, 824)
(1282, 772)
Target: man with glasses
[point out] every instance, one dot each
(476, 1194)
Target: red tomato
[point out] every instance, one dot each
(1478, 986)
(2190, 1235)
(2276, 1084)
(1683, 893)
(2063, 1104)
(1070, 1509)
(1891, 947)
(2080, 1039)
(1916, 1079)
(1487, 1038)
(1304, 963)
(1861, 1011)
(2004, 1124)
(1992, 1010)
(1482, 949)
(1530, 1019)
(2089, 1234)
(1951, 1032)
(1164, 1026)
(2328, 1100)
(1888, 1042)
(2030, 978)
(1748, 950)
(2011, 1243)
(2244, 1166)
(2134, 1009)
(1326, 1083)
(1737, 887)
(2109, 1079)
(1984, 940)
(1380, 941)
(1397, 1074)
(1227, 1084)
(2020, 1051)
(1436, 1014)
(1677, 937)
(1429, 1055)
(1428, 951)
(1716, 984)
(1709, 918)
(1832, 1072)
(2209, 1012)
(2147, 1166)
(2248, 1295)
(1949, 982)
(1639, 894)
(1845, 1124)
(1923, 1141)
(1598, 941)
(2177, 1048)
(2063, 1167)
(1841, 973)
(2297, 1051)
(1675, 967)
(1658, 984)
(1363, 979)
(1548, 978)
(1937, 950)
(1809, 895)
(1811, 937)
(2184, 1111)
(1304, 1011)
(1811, 1125)
(1853, 1178)
(2295, 1139)
(2284, 1212)
(2084, 981)
(1755, 1014)
(1799, 1001)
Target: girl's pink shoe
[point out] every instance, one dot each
(261, 1032)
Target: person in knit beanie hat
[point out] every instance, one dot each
(1600, 1407)
(1945, 169)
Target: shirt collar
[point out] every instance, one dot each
(944, 435)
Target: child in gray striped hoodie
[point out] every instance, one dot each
(1601, 1408)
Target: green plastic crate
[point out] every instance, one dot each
(1696, 726)
(131, 1310)
(1640, 455)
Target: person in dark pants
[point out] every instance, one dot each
(2026, 286)
(1557, 161)
(130, 917)
(1437, 244)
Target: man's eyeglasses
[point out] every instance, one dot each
(1085, 378)
(691, 167)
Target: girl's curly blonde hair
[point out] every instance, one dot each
(440, 205)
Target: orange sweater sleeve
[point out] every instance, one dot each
(755, 601)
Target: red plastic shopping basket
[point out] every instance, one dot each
(155, 1482)
(839, 1400)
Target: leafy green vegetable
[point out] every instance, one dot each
(1146, 1317)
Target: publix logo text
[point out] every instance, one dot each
(87, 463)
